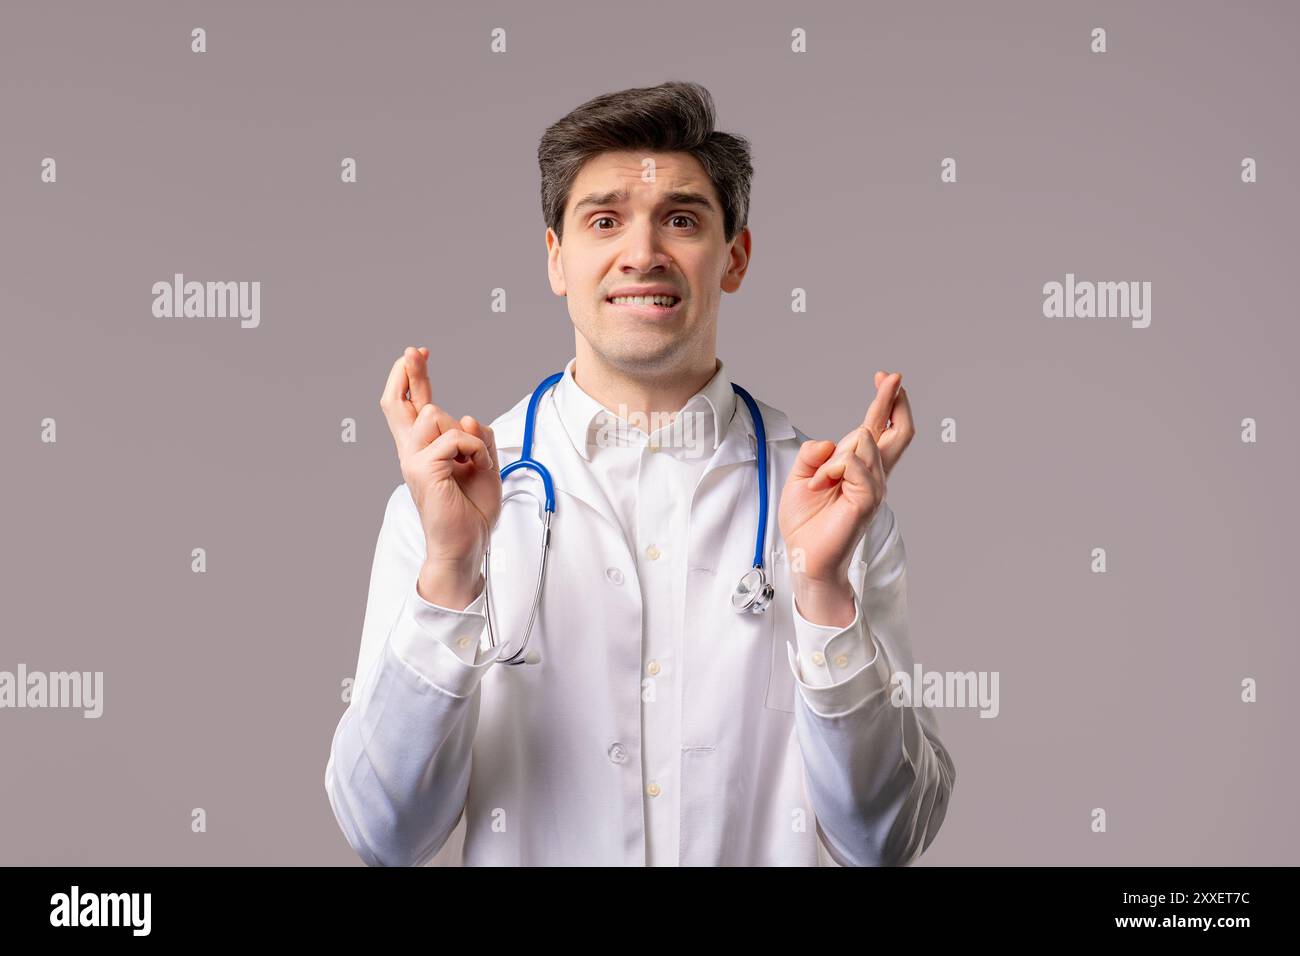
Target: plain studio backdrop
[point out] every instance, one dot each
(1118, 690)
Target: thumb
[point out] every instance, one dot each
(812, 455)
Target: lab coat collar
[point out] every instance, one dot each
(573, 478)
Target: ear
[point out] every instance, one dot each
(554, 264)
(741, 248)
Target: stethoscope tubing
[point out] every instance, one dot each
(526, 461)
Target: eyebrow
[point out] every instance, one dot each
(615, 196)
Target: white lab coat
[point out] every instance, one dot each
(447, 758)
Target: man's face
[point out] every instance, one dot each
(666, 235)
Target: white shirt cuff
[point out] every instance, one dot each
(836, 668)
(444, 646)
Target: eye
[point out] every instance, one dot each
(689, 219)
(603, 219)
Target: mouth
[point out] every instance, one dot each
(656, 306)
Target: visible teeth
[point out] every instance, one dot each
(644, 299)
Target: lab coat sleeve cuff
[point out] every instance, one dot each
(836, 669)
(443, 645)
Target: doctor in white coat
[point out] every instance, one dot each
(655, 725)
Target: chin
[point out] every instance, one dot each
(652, 352)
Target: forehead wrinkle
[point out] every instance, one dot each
(678, 194)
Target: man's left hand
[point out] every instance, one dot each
(832, 493)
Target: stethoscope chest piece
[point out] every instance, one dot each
(753, 593)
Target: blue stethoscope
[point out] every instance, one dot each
(753, 592)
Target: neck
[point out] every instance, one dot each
(627, 393)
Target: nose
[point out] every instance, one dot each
(642, 250)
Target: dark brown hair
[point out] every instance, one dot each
(671, 117)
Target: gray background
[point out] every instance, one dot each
(222, 690)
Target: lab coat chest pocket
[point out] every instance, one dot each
(780, 629)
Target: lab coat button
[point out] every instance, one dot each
(818, 658)
(653, 790)
(841, 661)
(614, 575)
(653, 668)
(652, 553)
(617, 753)
(463, 642)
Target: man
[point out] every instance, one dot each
(655, 725)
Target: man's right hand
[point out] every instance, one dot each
(452, 471)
